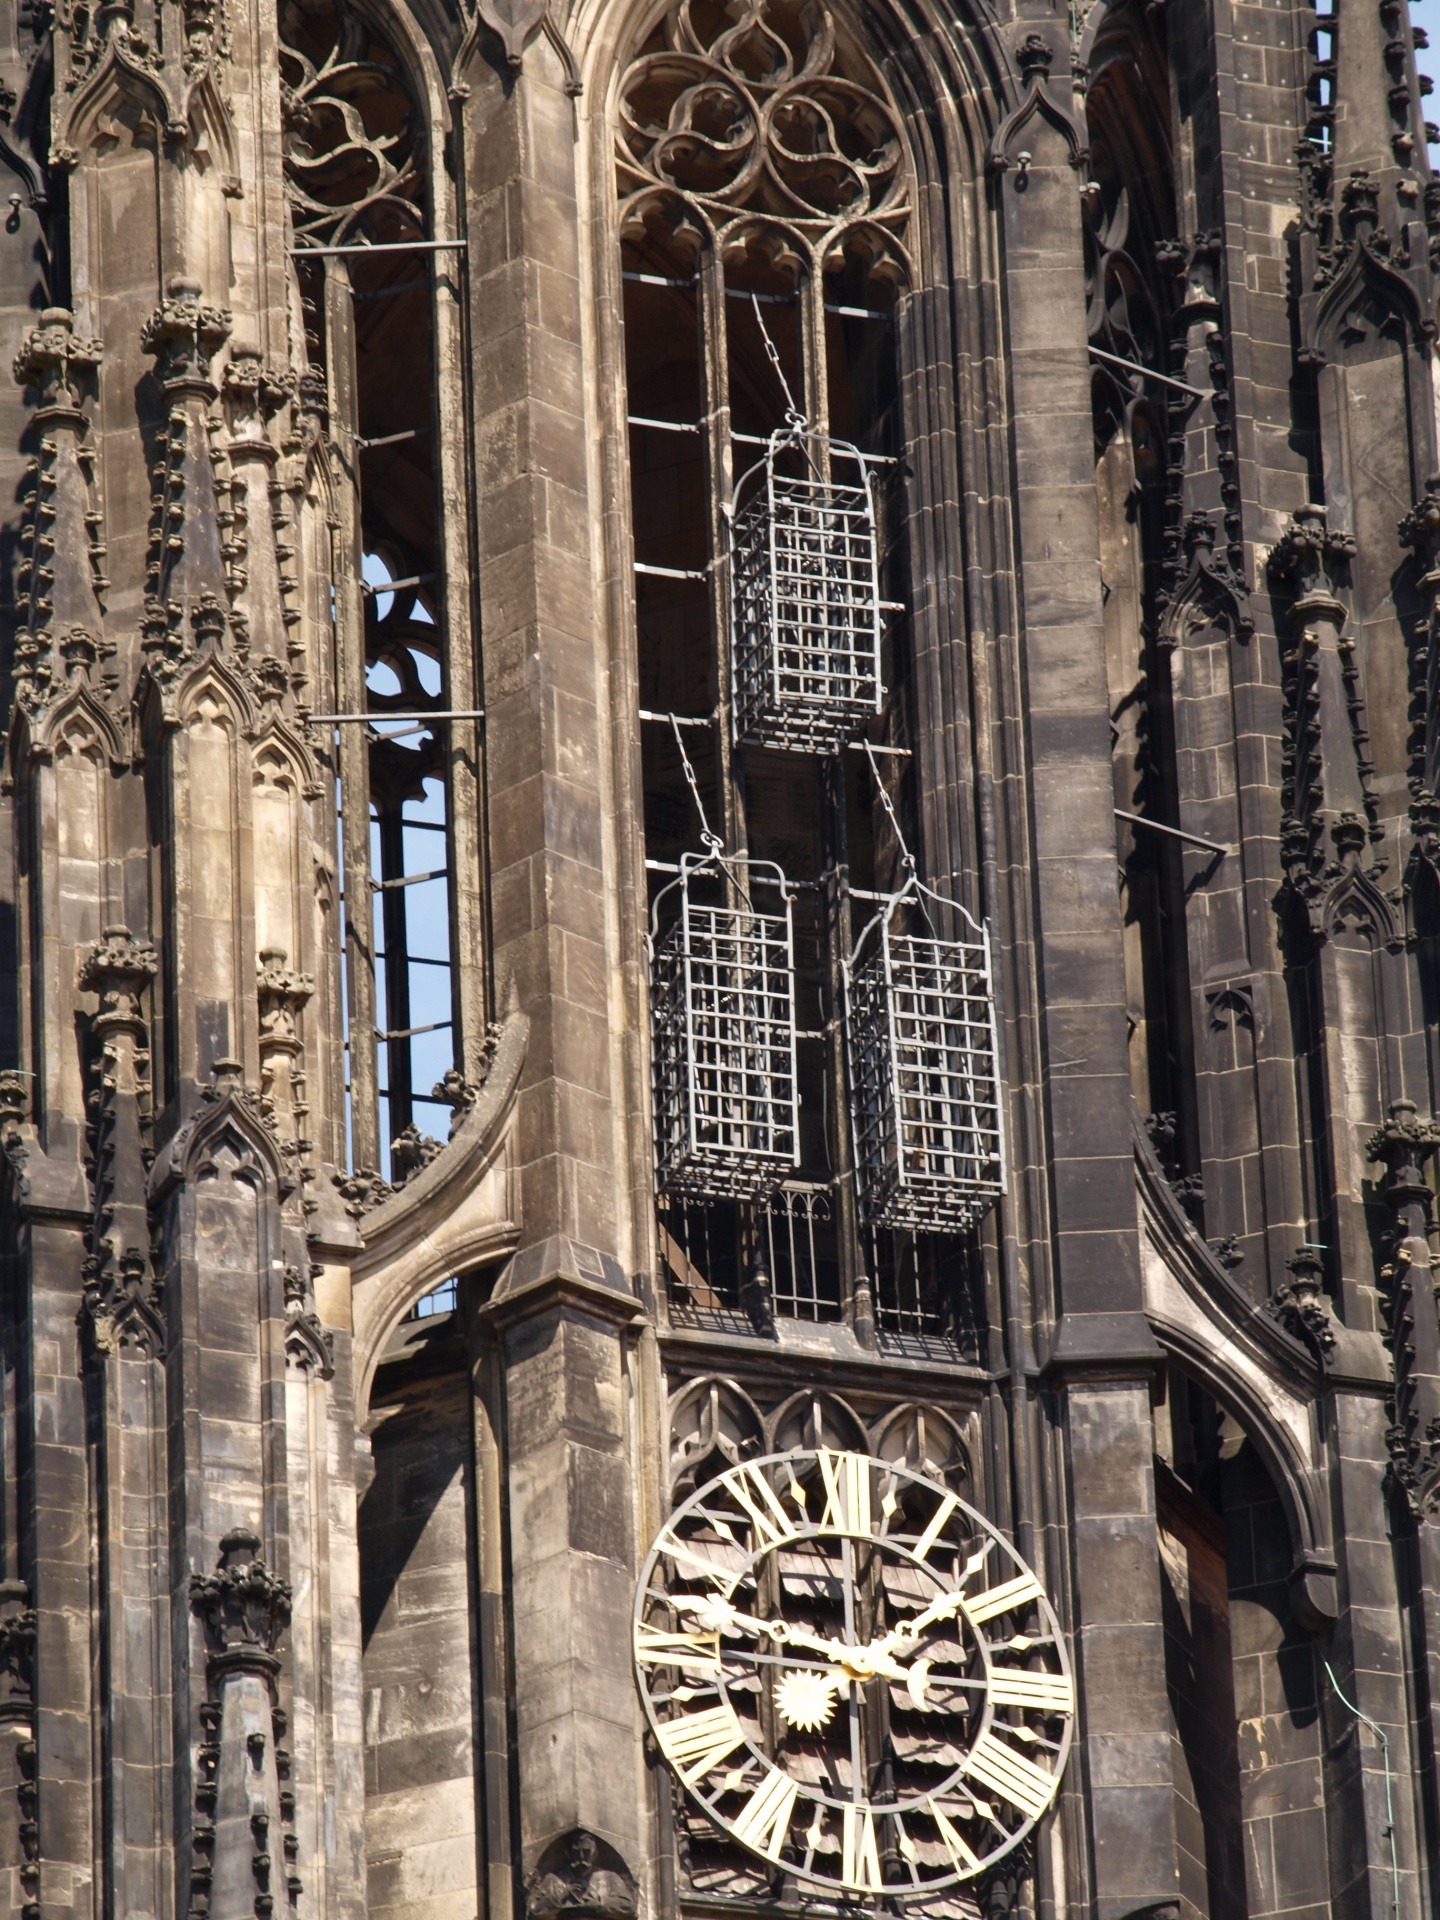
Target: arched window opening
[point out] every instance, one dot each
(1241, 1673)
(764, 220)
(376, 286)
(420, 1667)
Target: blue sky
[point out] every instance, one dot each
(1426, 14)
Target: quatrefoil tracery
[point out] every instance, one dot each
(754, 117)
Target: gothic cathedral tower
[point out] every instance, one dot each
(719, 960)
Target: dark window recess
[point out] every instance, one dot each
(771, 634)
(359, 179)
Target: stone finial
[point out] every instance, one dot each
(1307, 553)
(119, 968)
(184, 334)
(54, 358)
(1034, 56)
(245, 1608)
(1299, 1305)
(1405, 1140)
(1420, 528)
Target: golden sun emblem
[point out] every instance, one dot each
(806, 1700)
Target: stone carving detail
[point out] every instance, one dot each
(1360, 274)
(256, 517)
(14, 1112)
(1420, 531)
(580, 1875)
(62, 565)
(1205, 590)
(243, 1799)
(244, 1607)
(737, 115)
(123, 1303)
(282, 1080)
(18, 1630)
(352, 157)
(186, 609)
(362, 1191)
(1402, 1146)
(411, 1151)
(1300, 1305)
(1329, 816)
(119, 1293)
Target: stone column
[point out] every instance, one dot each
(1103, 1352)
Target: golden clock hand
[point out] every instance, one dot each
(718, 1616)
(944, 1607)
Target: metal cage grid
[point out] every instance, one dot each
(722, 997)
(929, 1145)
(805, 586)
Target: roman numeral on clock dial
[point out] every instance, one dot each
(696, 1742)
(760, 1500)
(656, 1648)
(1010, 1594)
(1043, 1692)
(859, 1855)
(1011, 1775)
(764, 1820)
(962, 1857)
(847, 1490)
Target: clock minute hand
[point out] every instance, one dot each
(944, 1607)
(718, 1616)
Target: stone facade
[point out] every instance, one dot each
(388, 378)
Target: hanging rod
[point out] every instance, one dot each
(375, 587)
(679, 719)
(393, 439)
(852, 453)
(1134, 366)
(1176, 833)
(666, 426)
(384, 246)
(441, 713)
(672, 573)
(749, 439)
(405, 1033)
(740, 293)
(409, 880)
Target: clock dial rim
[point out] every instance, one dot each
(962, 1512)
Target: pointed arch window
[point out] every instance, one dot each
(379, 269)
(766, 222)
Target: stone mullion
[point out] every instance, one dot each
(352, 696)
(837, 931)
(720, 457)
(464, 676)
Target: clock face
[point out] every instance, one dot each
(852, 1672)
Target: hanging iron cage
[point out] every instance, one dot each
(722, 1000)
(805, 596)
(929, 1143)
